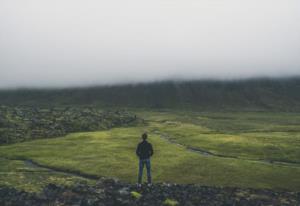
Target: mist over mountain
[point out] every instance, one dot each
(151, 54)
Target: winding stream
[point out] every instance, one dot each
(32, 164)
(208, 153)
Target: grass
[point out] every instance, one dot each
(274, 137)
(111, 153)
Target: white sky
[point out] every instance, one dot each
(75, 42)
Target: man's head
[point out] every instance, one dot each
(144, 136)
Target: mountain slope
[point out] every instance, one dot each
(254, 94)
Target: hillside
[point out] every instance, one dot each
(254, 94)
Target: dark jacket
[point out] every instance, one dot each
(144, 150)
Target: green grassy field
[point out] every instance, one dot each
(259, 150)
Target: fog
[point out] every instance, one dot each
(62, 43)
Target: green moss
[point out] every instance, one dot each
(136, 195)
(170, 202)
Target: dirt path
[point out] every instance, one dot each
(208, 153)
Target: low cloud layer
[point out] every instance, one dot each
(59, 43)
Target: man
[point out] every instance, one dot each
(144, 151)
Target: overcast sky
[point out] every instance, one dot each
(85, 42)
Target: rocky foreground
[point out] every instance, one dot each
(110, 192)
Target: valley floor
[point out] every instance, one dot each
(245, 150)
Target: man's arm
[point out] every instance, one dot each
(151, 150)
(138, 150)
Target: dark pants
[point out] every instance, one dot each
(142, 163)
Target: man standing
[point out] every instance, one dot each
(144, 151)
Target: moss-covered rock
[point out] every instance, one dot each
(24, 123)
(170, 202)
(136, 195)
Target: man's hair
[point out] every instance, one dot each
(144, 136)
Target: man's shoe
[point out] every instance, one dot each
(139, 185)
(149, 184)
